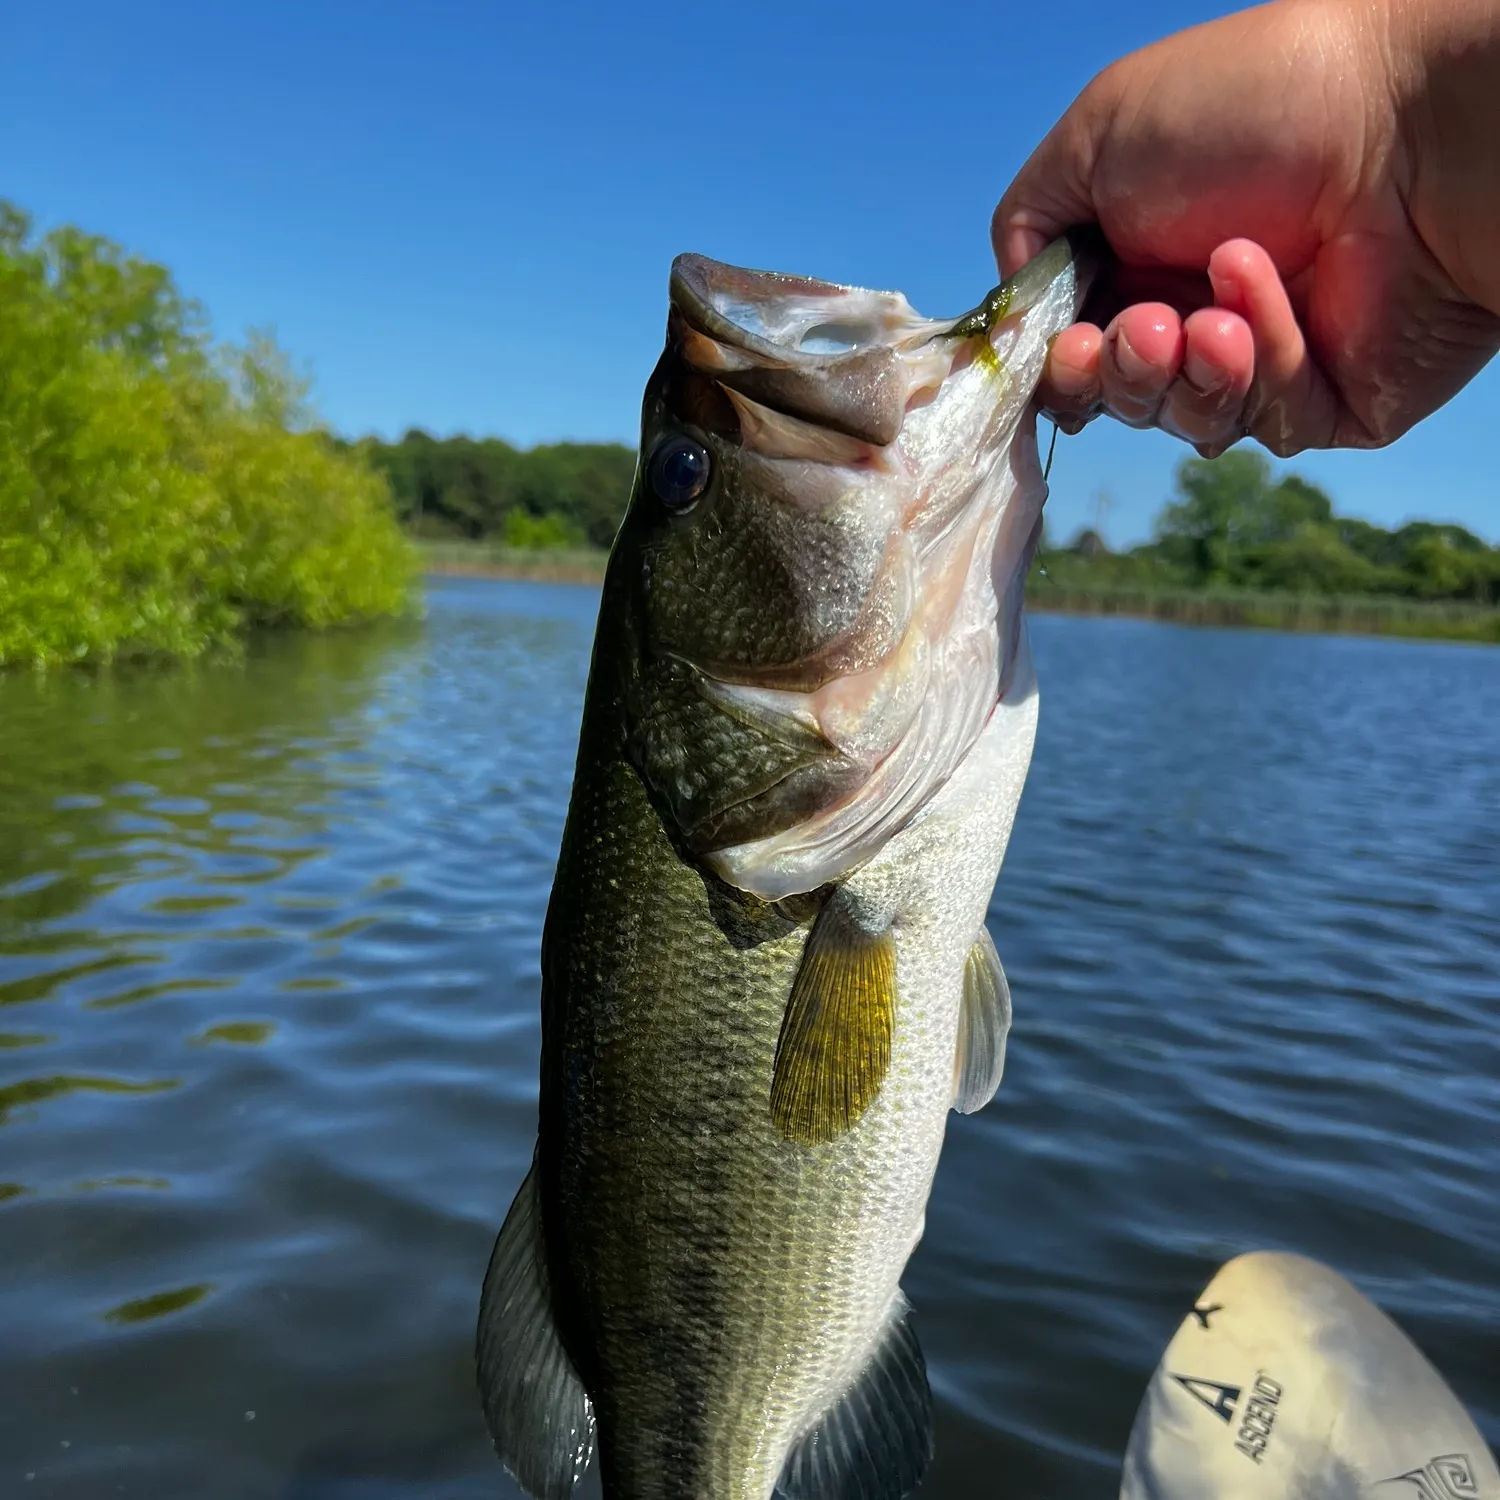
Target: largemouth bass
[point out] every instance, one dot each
(765, 972)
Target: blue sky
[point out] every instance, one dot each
(460, 216)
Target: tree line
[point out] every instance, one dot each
(162, 493)
(1234, 524)
(553, 495)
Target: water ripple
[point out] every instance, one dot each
(273, 930)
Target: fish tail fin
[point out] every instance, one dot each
(875, 1444)
(538, 1413)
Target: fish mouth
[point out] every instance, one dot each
(919, 434)
(787, 319)
(817, 352)
(971, 526)
(792, 320)
(842, 358)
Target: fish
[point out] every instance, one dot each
(766, 975)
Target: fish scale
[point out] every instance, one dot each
(709, 1280)
(673, 1040)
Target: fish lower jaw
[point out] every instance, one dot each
(969, 630)
(848, 833)
(978, 662)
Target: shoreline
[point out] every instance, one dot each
(540, 572)
(1371, 616)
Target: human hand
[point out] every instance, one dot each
(1269, 183)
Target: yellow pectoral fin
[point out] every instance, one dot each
(835, 1044)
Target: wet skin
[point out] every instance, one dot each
(1308, 229)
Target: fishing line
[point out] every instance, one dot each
(1051, 449)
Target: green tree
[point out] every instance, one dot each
(159, 494)
(1438, 566)
(462, 486)
(1229, 507)
(1221, 506)
(1289, 507)
(1312, 560)
(1234, 523)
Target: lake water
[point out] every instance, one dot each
(268, 1041)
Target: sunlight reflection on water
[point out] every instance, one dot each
(268, 1039)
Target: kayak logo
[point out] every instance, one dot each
(1450, 1477)
(1258, 1417)
(1219, 1399)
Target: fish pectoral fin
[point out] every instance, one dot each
(835, 1044)
(538, 1413)
(876, 1443)
(983, 1025)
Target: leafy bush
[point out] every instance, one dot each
(522, 529)
(160, 495)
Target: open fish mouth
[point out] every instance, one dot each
(778, 316)
(887, 465)
(847, 354)
(811, 350)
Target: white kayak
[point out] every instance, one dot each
(1285, 1383)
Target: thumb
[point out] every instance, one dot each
(1054, 190)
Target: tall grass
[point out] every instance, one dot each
(1358, 614)
(497, 560)
(160, 495)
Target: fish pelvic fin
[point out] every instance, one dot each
(983, 1025)
(538, 1413)
(877, 1442)
(835, 1045)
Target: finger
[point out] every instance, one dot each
(1290, 405)
(1140, 358)
(1052, 191)
(1119, 285)
(1069, 389)
(1205, 405)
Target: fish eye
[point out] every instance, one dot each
(679, 471)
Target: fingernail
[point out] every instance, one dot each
(1204, 377)
(1132, 366)
(1020, 246)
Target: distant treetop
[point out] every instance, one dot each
(558, 494)
(1236, 525)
